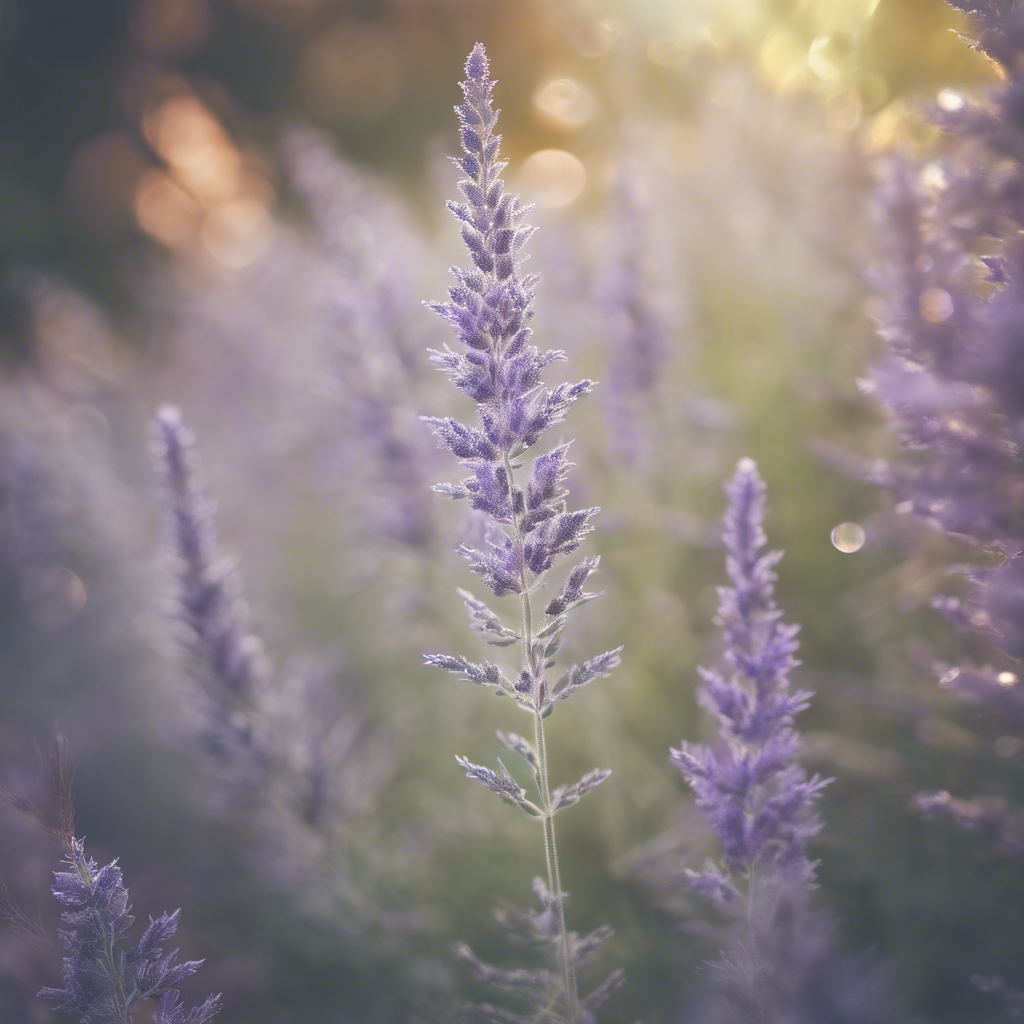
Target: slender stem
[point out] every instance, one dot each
(527, 627)
(550, 846)
(755, 944)
(554, 876)
(527, 638)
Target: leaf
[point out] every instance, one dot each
(500, 782)
(486, 622)
(579, 603)
(486, 674)
(566, 796)
(537, 982)
(519, 745)
(554, 626)
(604, 990)
(585, 948)
(554, 644)
(581, 674)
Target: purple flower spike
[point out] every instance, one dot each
(103, 982)
(282, 741)
(639, 330)
(952, 287)
(758, 799)
(212, 602)
(952, 314)
(781, 963)
(491, 305)
(227, 659)
(528, 523)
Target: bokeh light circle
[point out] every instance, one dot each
(552, 178)
(564, 103)
(848, 538)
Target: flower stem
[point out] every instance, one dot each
(554, 877)
(550, 846)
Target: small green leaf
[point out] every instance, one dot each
(566, 796)
(518, 745)
(554, 626)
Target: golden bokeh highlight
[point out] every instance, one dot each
(237, 232)
(782, 58)
(1008, 746)
(933, 179)
(826, 58)
(888, 127)
(873, 89)
(843, 111)
(52, 596)
(950, 100)
(192, 142)
(597, 38)
(165, 211)
(665, 51)
(564, 103)
(552, 178)
(209, 193)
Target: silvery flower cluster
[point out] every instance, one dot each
(953, 287)
(782, 962)
(104, 982)
(294, 761)
(759, 800)
(529, 526)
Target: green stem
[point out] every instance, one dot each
(550, 846)
(554, 876)
(755, 945)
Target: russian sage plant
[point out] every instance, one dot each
(288, 748)
(529, 525)
(952, 287)
(639, 332)
(760, 801)
(104, 981)
(211, 605)
(368, 253)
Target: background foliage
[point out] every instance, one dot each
(157, 248)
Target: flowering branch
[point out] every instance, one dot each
(529, 524)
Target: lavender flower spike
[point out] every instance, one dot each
(758, 799)
(211, 599)
(782, 964)
(104, 982)
(952, 285)
(530, 525)
(211, 605)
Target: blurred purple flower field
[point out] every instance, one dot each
(724, 283)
